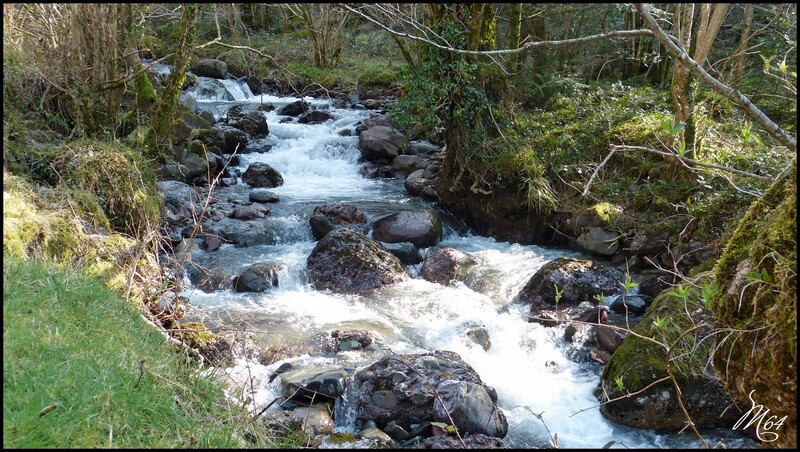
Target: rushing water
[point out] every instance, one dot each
(533, 369)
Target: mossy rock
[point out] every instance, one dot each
(637, 363)
(196, 335)
(758, 271)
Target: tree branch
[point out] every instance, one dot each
(726, 91)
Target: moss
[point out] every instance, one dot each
(144, 89)
(196, 334)
(342, 438)
(757, 309)
(639, 362)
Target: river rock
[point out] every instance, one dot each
(235, 140)
(406, 164)
(313, 386)
(210, 67)
(295, 108)
(263, 196)
(341, 214)
(445, 265)
(580, 280)
(258, 278)
(599, 242)
(470, 407)
(400, 389)
(213, 280)
(405, 251)
(253, 123)
(261, 175)
(314, 420)
(346, 261)
(418, 184)
(629, 304)
(244, 233)
(314, 117)
(381, 142)
(179, 198)
(320, 226)
(423, 228)
(252, 212)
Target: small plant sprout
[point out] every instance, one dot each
(629, 284)
(620, 384)
(600, 298)
(681, 292)
(708, 293)
(559, 293)
(660, 323)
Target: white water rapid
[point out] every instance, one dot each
(532, 367)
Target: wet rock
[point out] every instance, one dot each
(381, 142)
(405, 251)
(244, 233)
(314, 420)
(419, 184)
(399, 389)
(210, 243)
(253, 123)
(314, 117)
(313, 386)
(477, 441)
(341, 214)
(346, 261)
(480, 336)
(470, 407)
(445, 265)
(252, 212)
(320, 226)
(262, 175)
(548, 318)
(258, 278)
(406, 164)
(580, 280)
(608, 338)
(235, 140)
(263, 196)
(213, 280)
(630, 304)
(295, 108)
(423, 228)
(210, 67)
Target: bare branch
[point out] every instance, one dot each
(726, 91)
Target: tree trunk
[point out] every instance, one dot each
(740, 56)
(514, 31)
(159, 136)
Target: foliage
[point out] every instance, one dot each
(122, 181)
(83, 369)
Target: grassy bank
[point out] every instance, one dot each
(81, 368)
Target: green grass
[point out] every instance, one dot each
(69, 341)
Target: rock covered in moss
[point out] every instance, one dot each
(637, 363)
(757, 277)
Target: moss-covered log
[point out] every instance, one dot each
(756, 307)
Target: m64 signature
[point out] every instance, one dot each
(765, 427)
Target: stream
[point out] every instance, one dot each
(535, 371)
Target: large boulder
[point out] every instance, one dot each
(637, 363)
(346, 261)
(402, 390)
(580, 280)
(244, 233)
(261, 175)
(210, 67)
(757, 301)
(314, 117)
(381, 142)
(423, 228)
